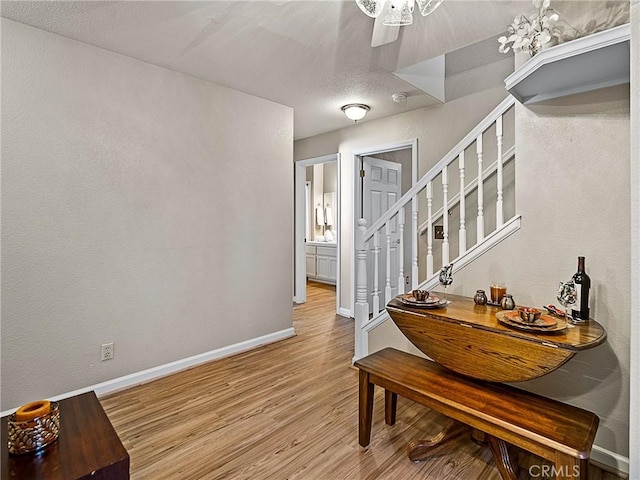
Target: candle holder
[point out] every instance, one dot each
(33, 435)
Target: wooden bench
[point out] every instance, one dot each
(560, 433)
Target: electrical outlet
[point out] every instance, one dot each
(106, 350)
(438, 232)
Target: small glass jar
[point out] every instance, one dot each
(480, 298)
(508, 303)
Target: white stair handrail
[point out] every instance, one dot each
(471, 186)
(376, 240)
(507, 229)
(438, 167)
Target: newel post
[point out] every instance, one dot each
(361, 305)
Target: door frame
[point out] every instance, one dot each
(367, 187)
(300, 269)
(357, 195)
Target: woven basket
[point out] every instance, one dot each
(33, 435)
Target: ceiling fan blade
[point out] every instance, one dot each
(383, 34)
(428, 6)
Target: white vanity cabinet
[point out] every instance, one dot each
(322, 262)
(311, 260)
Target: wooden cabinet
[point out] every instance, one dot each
(88, 447)
(322, 262)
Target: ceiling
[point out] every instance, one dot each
(314, 56)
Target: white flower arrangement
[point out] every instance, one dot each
(529, 34)
(544, 27)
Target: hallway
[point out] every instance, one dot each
(287, 410)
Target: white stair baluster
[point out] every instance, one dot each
(370, 298)
(387, 288)
(499, 212)
(414, 242)
(480, 222)
(463, 229)
(401, 251)
(429, 230)
(376, 273)
(361, 306)
(445, 216)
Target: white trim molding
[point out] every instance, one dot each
(145, 376)
(615, 462)
(299, 273)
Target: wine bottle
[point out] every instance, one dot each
(582, 283)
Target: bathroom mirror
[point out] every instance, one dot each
(321, 186)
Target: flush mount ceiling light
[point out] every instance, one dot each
(355, 111)
(397, 12)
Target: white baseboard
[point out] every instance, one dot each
(616, 462)
(145, 376)
(343, 312)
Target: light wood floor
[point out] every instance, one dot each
(284, 411)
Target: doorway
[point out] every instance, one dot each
(383, 175)
(317, 218)
(382, 186)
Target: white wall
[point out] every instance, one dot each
(133, 211)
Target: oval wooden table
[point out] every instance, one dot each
(468, 339)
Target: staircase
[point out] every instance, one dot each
(444, 197)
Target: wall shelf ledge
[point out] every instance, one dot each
(596, 61)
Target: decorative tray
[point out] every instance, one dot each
(430, 302)
(545, 324)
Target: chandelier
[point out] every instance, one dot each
(397, 12)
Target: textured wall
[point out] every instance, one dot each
(572, 173)
(139, 206)
(573, 193)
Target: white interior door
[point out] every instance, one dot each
(382, 186)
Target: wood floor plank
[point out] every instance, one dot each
(287, 410)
